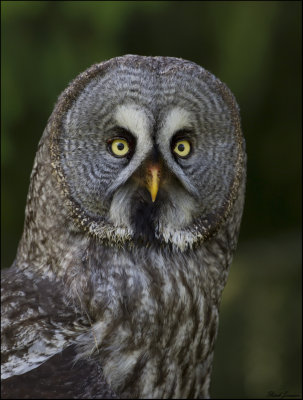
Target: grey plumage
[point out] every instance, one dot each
(127, 286)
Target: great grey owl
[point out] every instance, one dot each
(132, 218)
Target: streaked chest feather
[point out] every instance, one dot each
(154, 327)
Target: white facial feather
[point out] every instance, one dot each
(119, 209)
(176, 120)
(135, 120)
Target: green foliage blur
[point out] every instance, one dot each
(255, 48)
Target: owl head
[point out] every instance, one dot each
(148, 150)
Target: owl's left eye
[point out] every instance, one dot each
(119, 147)
(182, 148)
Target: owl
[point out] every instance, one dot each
(132, 218)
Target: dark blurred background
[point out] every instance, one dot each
(255, 48)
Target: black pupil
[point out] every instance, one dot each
(120, 146)
(181, 147)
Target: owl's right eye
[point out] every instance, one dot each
(119, 147)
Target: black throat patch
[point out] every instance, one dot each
(144, 217)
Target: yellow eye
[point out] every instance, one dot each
(182, 148)
(119, 147)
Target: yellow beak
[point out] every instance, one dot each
(153, 180)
